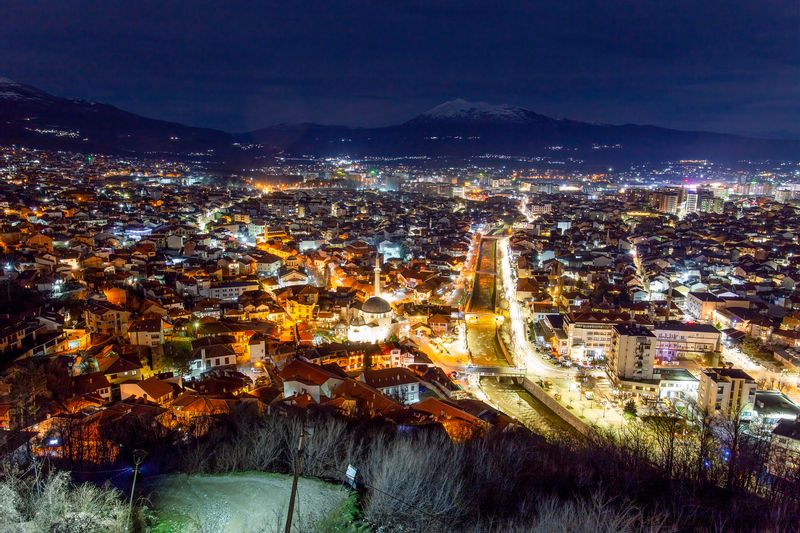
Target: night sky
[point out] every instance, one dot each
(731, 65)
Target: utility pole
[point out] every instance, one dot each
(293, 496)
(138, 459)
(8, 268)
(669, 301)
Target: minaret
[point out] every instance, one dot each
(377, 271)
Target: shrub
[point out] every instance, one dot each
(49, 502)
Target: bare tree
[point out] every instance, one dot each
(731, 429)
(702, 421)
(414, 490)
(667, 431)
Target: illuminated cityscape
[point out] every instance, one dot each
(479, 318)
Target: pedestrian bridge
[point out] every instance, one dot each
(495, 371)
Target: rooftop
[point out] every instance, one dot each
(724, 374)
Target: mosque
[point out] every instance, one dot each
(375, 320)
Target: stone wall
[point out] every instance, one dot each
(562, 412)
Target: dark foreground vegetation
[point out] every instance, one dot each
(417, 479)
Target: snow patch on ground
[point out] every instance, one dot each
(240, 503)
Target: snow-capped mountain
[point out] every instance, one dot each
(11, 90)
(460, 110)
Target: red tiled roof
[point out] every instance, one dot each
(357, 390)
(155, 388)
(299, 370)
(89, 383)
(442, 409)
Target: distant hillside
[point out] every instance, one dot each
(35, 118)
(455, 129)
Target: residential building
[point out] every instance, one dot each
(702, 305)
(677, 340)
(151, 389)
(106, 319)
(147, 332)
(303, 378)
(726, 391)
(229, 291)
(632, 354)
(784, 450)
(590, 334)
(398, 383)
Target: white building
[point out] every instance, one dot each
(702, 305)
(374, 321)
(726, 391)
(398, 383)
(677, 340)
(676, 384)
(301, 377)
(590, 334)
(151, 389)
(229, 291)
(146, 332)
(212, 356)
(268, 265)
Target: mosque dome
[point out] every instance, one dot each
(376, 306)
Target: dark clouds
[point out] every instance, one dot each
(722, 65)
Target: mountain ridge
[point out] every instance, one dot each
(456, 129)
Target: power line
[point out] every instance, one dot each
(127, 469)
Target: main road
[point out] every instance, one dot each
(524, 352)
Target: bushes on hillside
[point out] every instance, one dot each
(50, 502)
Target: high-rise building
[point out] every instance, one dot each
(783, 195)
(690, 202)
(633, 352)
(705, 200)
(669, 201)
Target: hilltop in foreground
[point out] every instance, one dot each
(250, 501)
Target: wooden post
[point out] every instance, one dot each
(292, 497)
